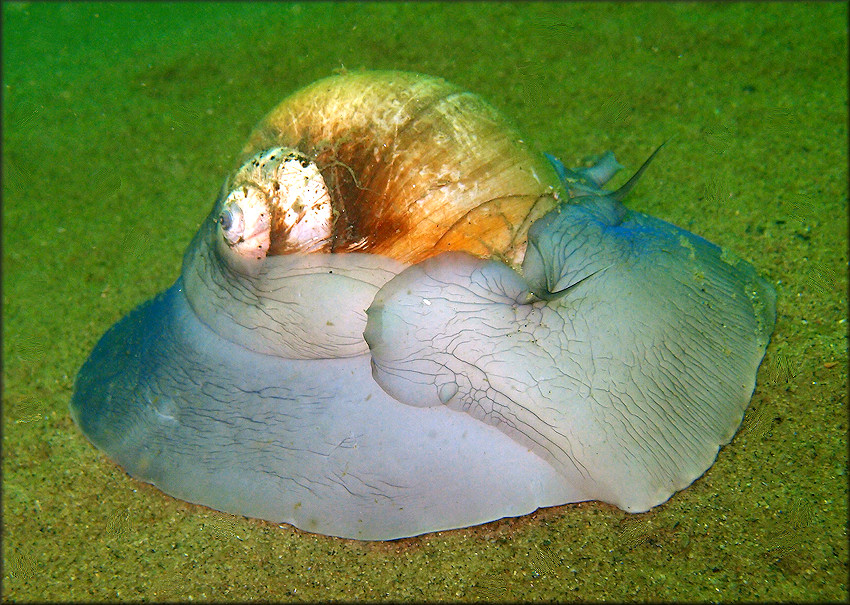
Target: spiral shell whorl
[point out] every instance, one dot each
(414, 166)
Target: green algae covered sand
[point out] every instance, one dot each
(120, 122)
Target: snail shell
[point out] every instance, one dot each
(414, 166)
(398, 318)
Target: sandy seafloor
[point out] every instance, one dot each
(120, 122)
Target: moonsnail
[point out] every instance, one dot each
(399, 318)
